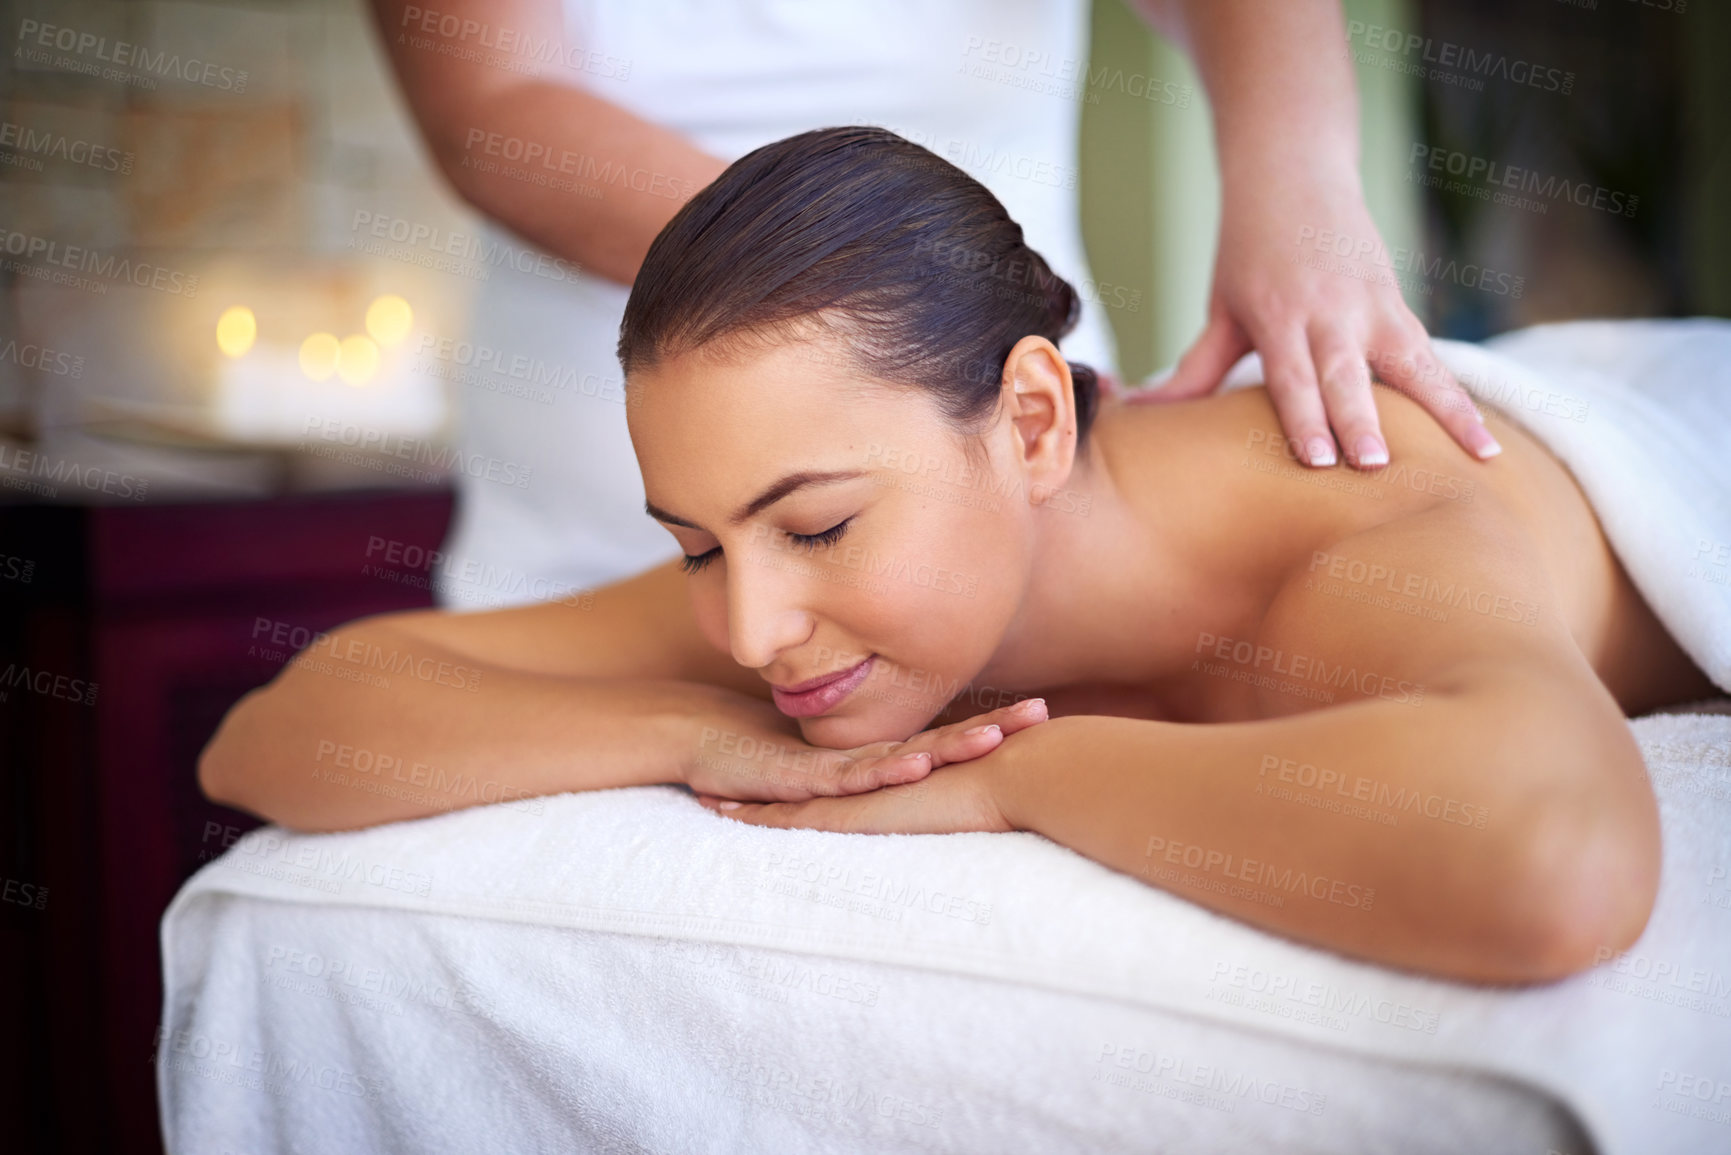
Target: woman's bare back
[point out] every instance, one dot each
(1277, 517)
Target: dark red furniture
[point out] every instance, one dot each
(157, 607)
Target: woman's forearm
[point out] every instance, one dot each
(1461, 836)
(373, 725)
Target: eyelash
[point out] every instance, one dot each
(692, 564)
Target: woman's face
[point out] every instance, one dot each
(899, 548)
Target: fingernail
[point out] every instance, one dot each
(1028, 704)
(1371, 451)
(914, 758)
(1488, 446)
(1320, 451)
(727, 805)
(981, 729)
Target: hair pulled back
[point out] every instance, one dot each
(861, 231)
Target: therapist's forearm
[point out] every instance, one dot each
(569, 170)
(634, 175)
(1280, 85)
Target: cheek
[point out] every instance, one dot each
(991, 567)
(977, 564)
(944, 620)
(957, 630)
(709, 607)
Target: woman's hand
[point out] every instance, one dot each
(957, 798)
(1319, 318)
(746, 752)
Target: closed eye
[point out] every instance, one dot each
(828, 537)
(692, 563)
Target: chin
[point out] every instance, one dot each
(875, 722)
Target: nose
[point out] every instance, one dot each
(765, 614)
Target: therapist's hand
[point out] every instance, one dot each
(1285, 111)
(1321, 323)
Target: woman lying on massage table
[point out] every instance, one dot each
(1382, 713)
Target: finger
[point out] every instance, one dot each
(1291, 381)
(756, 813)
(1409, 363)
(1204, 364)
(1016, 716)
(859, 775)
(952, 745)
(1344, 380)
(909, 766)
(981, 734)
(838, 814)
(912, 760)
(781, 774)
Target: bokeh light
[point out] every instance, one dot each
(388, 320)
(236, 330)
(319, 354)
(357, 359)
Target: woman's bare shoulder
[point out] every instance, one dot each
(1438, 599)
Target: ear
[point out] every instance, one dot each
(1039, 396)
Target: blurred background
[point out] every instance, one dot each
(196, 310)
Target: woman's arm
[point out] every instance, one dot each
(408, 714)
(405, 715)
(1479, 809)
(483, 80)
(319, 750)
(1472, 804)
(1563, 866)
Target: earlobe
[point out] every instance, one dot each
(1041, 391)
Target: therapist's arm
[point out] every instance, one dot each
(478, 105)
(1285, 108)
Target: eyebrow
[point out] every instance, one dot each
(763, 500)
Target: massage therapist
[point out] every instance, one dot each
(581, 126)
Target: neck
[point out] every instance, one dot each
(1120, 582)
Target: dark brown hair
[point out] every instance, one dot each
(863, 232)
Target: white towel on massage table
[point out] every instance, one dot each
(1638, 1049)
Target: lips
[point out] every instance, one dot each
(816, 695)
(814, 683)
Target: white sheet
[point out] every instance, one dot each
(1028, 967)
(602, 1011)
(523, 1037)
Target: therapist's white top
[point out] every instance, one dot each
(995, 86)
